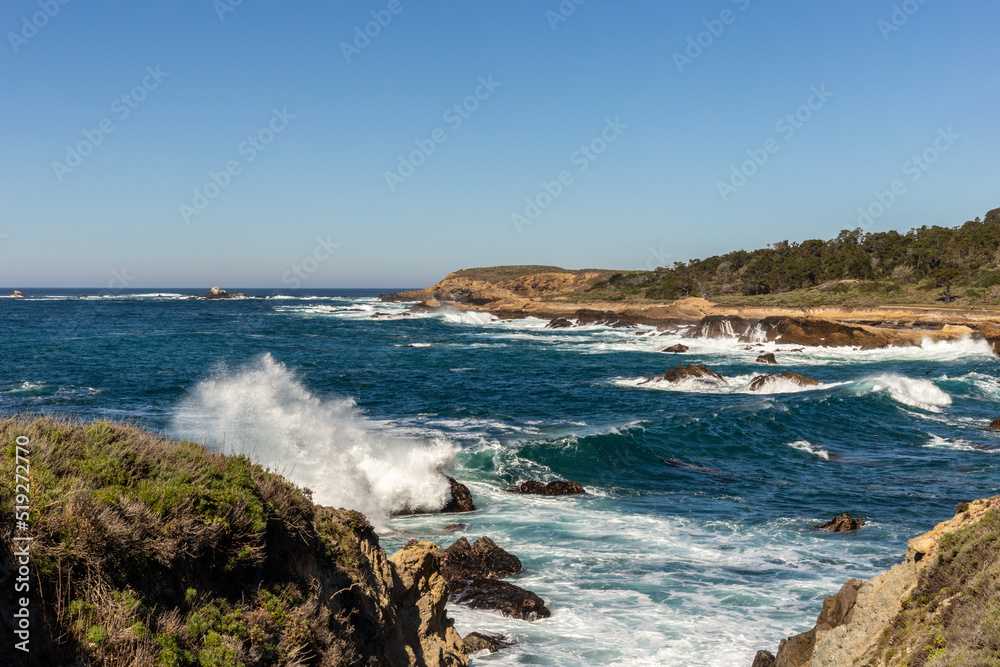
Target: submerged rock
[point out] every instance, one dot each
(995, 425)
(476, 642)
(842, 524)
(700, 374)
(559, 323)
(677, 349)
(557, 488)
(767, 358)
(502, 596)
(455, 527)
(481, 560)
(461, 498)
(762, 382)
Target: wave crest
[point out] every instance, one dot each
(328, 445)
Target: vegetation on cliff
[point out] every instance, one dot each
(888, 265)
(152, 552)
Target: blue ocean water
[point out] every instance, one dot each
(659, 564)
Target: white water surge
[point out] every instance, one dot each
(328, 445)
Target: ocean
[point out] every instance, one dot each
(695, 544)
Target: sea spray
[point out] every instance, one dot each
(328, 445)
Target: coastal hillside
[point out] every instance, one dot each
(151, 552)
(940, 607)
(931, 266)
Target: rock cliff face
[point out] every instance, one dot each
(151, 552)
(940, 606)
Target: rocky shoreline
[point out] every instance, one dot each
(555, 297)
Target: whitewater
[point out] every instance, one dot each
(364, 403)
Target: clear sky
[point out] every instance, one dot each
(116, 114)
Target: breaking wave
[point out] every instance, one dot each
(328, 445)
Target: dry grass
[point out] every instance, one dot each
(150, 552)
(953, 617)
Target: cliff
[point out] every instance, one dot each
(939, 607)
(152, 552)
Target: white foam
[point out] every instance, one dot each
(916, 393)
(466, 317)
(739, 384)
(806, 446)
(328, 445)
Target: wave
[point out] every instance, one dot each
(264, 411)
(806, 446)
(916, 393)
(734, 385)
(467, 317)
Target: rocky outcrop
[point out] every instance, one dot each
(481, 560)
(699, 374)
(677, 349)
(461, 498)
(219, 293)
(252, 568)
(933, 608)
(422, 633)
(503, 596)
(476, 642)
(767, 359)
(842, 524)
(763, 659)
(559, 323)
(995, 425)
(768, 382)
(556, 488)
(991, 332)
(16, 293)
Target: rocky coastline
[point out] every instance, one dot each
(556, 297)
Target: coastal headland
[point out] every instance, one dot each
(576, 297)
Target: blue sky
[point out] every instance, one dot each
(309, 133)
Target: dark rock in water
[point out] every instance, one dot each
(699, 373)
(82, 296)
(767, 358)
(677, 463)
(455, 527)
(559, 323)
(762, 382)
(842, 524)
(17, 293)
(677, 349)
(461, 498)
(763, 659)
(219, 293)
(995, 425)
(557, 488)
(481, 560)
(508, 599)
(476, 642)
